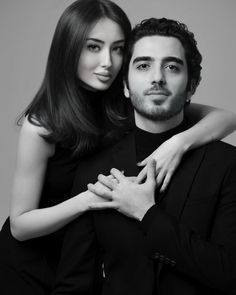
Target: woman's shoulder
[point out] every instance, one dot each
(32, 126)
(33, 135)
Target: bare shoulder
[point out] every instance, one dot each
(31, 138)
(33, 129)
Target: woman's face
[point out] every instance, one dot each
(102, 55)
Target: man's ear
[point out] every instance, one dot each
(193, 86)
(126, 90)
(190, 92)
(189, 96)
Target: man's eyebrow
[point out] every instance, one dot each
(102, 42)
(173, 59)
(142, 58)
(165, 59)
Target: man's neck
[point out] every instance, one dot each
(157, 126)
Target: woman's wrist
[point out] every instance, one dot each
(183, 140)
(84, 201)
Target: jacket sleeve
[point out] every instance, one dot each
(212, 260)
(79, 270)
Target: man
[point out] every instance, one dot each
(182, 241)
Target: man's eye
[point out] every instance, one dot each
(143, 67)
(93, 47)
(173, 68)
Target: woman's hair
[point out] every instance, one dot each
(61, 105)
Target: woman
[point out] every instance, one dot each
(77, 110)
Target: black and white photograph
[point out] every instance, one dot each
(118, 157)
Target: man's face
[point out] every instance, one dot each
(158, 77)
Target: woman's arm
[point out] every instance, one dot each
(27, 221)
(210, 124)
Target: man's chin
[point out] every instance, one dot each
(159, 114)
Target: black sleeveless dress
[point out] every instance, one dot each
(28, 267)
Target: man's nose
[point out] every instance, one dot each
(106, 59)
(158, 76)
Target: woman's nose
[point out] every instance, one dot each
(106, 60)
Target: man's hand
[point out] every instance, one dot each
(124, 195)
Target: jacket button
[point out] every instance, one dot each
(167, 261)
(156, 255)
(161, 258)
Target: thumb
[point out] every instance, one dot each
(142, 175)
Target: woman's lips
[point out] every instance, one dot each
(104, 77)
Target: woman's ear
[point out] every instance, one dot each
(126, 90)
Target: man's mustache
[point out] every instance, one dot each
(158, 90)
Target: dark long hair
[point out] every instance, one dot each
(60, 104)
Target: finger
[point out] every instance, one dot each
(117, 174)
(142, 175)
(144, 162)
(160, 177)
(102, 206)
(100, 191)
(151, 171)
(166, 182)
(106, 181)
(111, 177)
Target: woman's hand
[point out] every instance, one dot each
(123, 194)
(167, 157)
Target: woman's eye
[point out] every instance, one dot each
(143, 67)
(119, 49)
(93, 47)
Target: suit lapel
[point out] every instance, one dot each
(181, 184)
(124, 155)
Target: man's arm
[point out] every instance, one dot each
(210, 261)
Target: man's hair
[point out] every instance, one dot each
(169, 28)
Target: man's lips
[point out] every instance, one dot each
(157, 92)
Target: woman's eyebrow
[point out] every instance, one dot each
(101, 41)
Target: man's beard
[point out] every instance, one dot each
(157, 112)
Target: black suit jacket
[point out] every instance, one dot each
(186, 242)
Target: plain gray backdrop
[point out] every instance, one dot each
(26, 29)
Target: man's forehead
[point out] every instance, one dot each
(158, 47)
